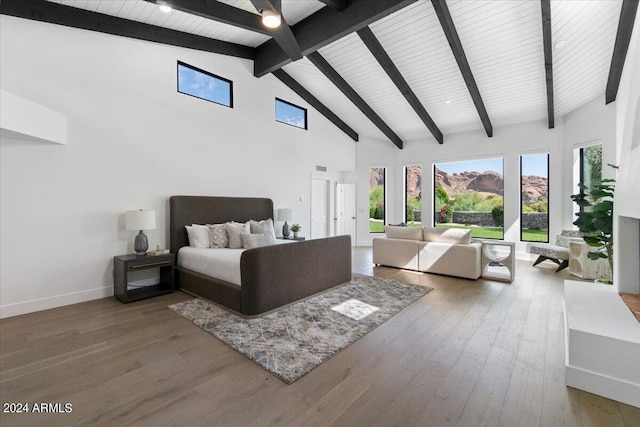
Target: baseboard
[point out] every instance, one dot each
(603, 385)
(16, 309)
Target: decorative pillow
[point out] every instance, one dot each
(218, 235)
(447, 235)
(409, 233)
(235, 231)
(250, 241)
(262, 227)
(198, 236)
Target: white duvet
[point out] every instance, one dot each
(221, 263)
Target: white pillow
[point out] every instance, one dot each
(235, 231)
(250, 241)
(409, 233)
(198, 236)
(447, 235)
(218, 235)
(262, 227)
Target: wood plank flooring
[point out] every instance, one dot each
(470, 353)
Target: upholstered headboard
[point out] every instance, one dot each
(187, 210)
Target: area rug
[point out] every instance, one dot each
(292, 341)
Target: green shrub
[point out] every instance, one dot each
(446, 214)
(379, 212)
(497, 214)
(372, 211)
(442, 198)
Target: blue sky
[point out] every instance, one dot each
(532, 164)
(289, 114)
(203, 86)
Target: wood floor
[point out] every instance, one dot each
(468, 353)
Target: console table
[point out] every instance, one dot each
(498, 260)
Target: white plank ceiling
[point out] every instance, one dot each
(502, 40)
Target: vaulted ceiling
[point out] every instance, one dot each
(394, 69)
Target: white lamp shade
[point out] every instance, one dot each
(285, 214)
(140, 220)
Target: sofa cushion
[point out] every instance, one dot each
(409, 233)
(447, 235)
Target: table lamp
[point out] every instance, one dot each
(141, 220)
(285, 215)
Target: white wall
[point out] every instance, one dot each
(508, 142)
(133, 141)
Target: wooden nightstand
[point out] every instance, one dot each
(296, 239)
(123, 265)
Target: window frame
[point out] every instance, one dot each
(306, 113)
(405, 196)
(207, 73)
(384, 199)
(548, 198)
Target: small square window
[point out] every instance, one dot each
(291, 114)
(201, 84)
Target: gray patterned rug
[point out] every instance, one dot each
(292, 341)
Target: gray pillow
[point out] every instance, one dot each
(218, 235)
(235, 232)
(262, 227)
(250, 241)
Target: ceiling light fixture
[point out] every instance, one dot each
(448, 101)
(560, 44)
(270, 19)
(165, 8)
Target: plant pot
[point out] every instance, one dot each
(295, 234)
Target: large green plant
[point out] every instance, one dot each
(595, 219)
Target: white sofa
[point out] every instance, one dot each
(433, 250)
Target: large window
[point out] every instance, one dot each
(204, 85)
(413, 196)
(291, 114)
(377, 179)
(534, 193)
(469, 194)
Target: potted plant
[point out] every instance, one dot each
(295, 228)
(595, 220)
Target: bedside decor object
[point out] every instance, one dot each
(141, 220)
(295, 228)
(285, 215)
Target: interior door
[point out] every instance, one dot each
(346, 210)
(319, 208)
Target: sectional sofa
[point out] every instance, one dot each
(447, 251)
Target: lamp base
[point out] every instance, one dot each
(141, 244)
(285, 230)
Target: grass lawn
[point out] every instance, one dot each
(477, 232)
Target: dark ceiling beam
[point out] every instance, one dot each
(353, 96)
(315, 103)
(623, 37)
(336, 4)
(376, 49)
(548, 58)
(323, 27)
(283, 34)
(54, 13)
(217, 11)
(450, 31)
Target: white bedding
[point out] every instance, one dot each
(221, 263)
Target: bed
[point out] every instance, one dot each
(271, 276)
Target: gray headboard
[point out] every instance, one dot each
(187, 210)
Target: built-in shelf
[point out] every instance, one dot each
(26, 120)
(602, 342)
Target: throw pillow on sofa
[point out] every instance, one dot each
(409, 233)
(447, 235)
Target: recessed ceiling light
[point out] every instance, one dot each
(448, 101)
(165, 8)
(560, 44)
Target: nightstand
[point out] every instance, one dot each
(124, 265)
(296, 239)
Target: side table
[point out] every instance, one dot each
(296, 239)
(123, 265)
(498, 260)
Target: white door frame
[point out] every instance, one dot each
(327, 214)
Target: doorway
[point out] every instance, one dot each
(319, 208)
(346, 210)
